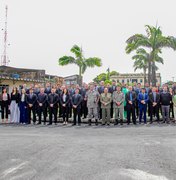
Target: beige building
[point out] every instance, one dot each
(9, 82)
(71, 80)
(132, 77)
(15, 77)
(53, 79)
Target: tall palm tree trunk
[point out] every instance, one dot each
(153, 74)
(145, 78)
(80, 76)
(149, 72)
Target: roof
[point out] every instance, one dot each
(72, 76)
(13, 69)
(53, 76)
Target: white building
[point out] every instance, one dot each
(133, 77)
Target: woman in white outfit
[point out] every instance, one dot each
(14, 108)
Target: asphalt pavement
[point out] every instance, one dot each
(88, 153)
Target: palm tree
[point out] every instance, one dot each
(80, 61)
(154, 41)
(141, 61)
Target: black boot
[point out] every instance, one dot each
(116, 122)
(96, 122)
(89, 122)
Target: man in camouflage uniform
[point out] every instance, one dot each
(106, 99)
(92, 97)
(118, 104)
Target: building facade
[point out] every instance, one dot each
(129, 78)
(15, 77)
(53, 79)
(71, 80)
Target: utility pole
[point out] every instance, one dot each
(4, 57)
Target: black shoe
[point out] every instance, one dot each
(121, 122)
(38, 123)
(103, 124)
(96, 122)
(89, 122)
(116, 122)
(49, 124)
(73, 124)
(108, 124)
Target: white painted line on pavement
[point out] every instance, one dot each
(13, 169)
(136, 174)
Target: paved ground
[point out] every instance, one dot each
(88, 153)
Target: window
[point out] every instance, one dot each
(134, 80)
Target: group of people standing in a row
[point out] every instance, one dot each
(90, 101)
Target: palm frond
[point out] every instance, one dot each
(77, 51)
(159, 59)
(65, 60)
(137, 41)
(93, 61)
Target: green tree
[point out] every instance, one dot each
(105, 77)
(100, 77)
(114, 73)
(79, 60)
(155, 42)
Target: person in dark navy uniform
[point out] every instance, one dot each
(31, 100)
(154, 103)
(131, 101)
(76, 104)
(84, 109)
(64, 103)
(42, 105)
(53, 100)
